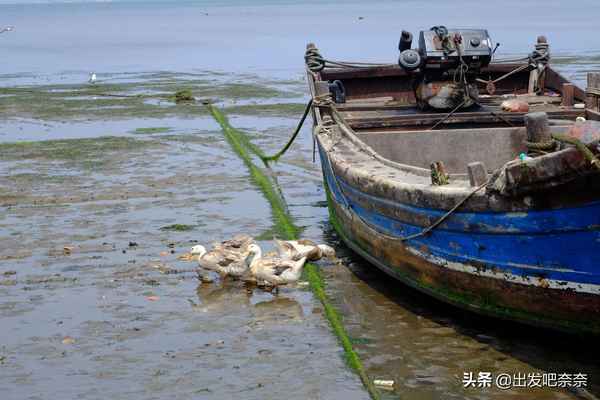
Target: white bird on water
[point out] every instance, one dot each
(92, 79)
(225, 263)
(273, 270)
(7, 29)
(227, 257)
(296, 249)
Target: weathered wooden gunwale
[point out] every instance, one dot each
(512, 84)
(528, 301)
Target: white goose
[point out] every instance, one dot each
(224, 262)
(239, 243)
(296, 249)
(227, 257)
(274, 271)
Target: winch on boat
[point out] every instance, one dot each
(445, 65)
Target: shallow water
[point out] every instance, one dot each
(208, 340)
(109, 320)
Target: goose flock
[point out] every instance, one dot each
(242, 258)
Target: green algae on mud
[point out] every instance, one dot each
(178, 228)
(152, 130)
(60, 106)
(268, 110)
(33, 178)
(241, 144)
(88, 153)
(238, 91)
(183, 95)
(152, 99)
(289, 231)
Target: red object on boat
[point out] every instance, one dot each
(515, 105)
(588, 132)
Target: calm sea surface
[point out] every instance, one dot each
(266, 37)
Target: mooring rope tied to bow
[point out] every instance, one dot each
(285, 148)
(318, 101)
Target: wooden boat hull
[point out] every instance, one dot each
(535, 267)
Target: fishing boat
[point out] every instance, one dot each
(471, 179)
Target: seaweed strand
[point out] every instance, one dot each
(241, 145)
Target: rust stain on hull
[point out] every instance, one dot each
(564, 310)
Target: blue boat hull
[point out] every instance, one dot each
(539, 266)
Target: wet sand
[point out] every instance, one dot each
(112, 317)
(119, 315)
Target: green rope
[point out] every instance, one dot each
(579, 145)
(281, 152)
(231, 133)
(239, 143)
(543, 146)
(552, 145)
(289, 231)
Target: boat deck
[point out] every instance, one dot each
(386, 113)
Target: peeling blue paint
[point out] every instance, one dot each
(586, 217)
(559, 244)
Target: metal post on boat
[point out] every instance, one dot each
(568, 95)
(538, 129)
(477, 173)
(321, 89)
(539, 58)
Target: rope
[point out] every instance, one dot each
(315, 62)
(579, 145)
(500, 117)
(509, 60)
(281, 152)
(313, 59)
(325, 101)
(543, 146)
(275, 157)
(441, 121)
(284, 222)
(541, 54)
(449, 213)
(514, 71)
(553, 145)
(353, 64)
(426, 230)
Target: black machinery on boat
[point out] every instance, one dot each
(445, 65)
(449, 65)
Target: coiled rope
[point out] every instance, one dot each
(315, 62)
(562, 138)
